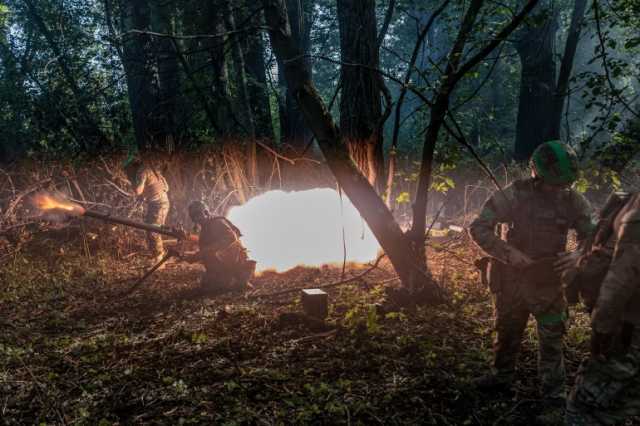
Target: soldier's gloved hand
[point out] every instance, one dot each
(180, 233)
(518, 259)
(568, 268)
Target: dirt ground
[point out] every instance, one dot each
(74, 350)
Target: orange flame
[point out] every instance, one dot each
(48, 203)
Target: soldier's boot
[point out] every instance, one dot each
(506, 348)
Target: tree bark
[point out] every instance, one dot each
(436, 120)
(166, 52)
(360, 103)
(403, 91)
(577, 17)
(221, 92)
(537, 84)
(244, 105)
(294, 131)
(253, 46)
(137, 65)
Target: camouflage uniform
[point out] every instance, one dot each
(535, 222)
(607, 388)
(223, 255)
(153, 187)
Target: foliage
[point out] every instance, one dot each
(41, 113)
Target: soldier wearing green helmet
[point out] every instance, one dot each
(522, 229)
(555, 163)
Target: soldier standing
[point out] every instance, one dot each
(607, 388)
(227, 266)
(152, 187)
(535, 216)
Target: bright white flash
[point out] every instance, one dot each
(285, 229)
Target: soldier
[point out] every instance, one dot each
(225, 259)
(152, 187)
(607, 388)
(535, 215)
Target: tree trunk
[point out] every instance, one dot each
(294, 131)
(393, 151)
(436, 120)
(137, 65)
(166, 56)
(244, 105)
(566, 66)
(537, 84)
(221, 93)
(255, 68)
(360, 103)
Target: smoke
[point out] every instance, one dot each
(285, 229)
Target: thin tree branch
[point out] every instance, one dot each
(193, 36)
(387, 21)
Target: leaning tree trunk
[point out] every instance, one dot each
(360, 101)
(537, 84)
(295, 132)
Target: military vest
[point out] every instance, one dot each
(540, 220)
(218, 232)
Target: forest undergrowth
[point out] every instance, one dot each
(74, 350)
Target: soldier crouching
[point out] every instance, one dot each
(227, 266)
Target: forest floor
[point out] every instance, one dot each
(73, 350)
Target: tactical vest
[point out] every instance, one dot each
(540, 221)
(219, 232)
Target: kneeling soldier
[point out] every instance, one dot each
(227, 265)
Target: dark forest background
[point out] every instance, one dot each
(105, 76)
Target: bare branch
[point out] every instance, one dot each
(387, 21)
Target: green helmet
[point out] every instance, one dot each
(555, 163)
